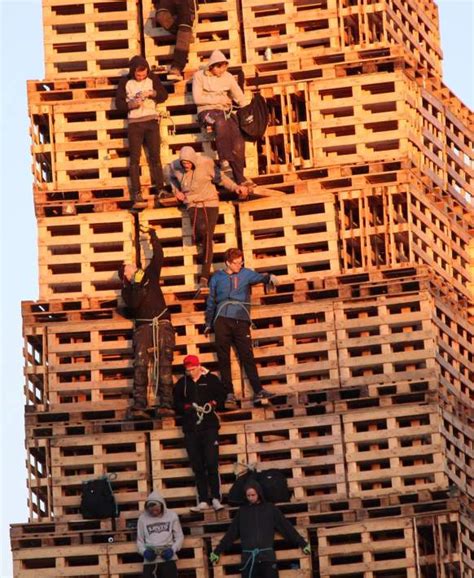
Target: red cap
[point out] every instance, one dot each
(191, 361)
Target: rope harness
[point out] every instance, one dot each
(239, 304)
(201, 411)
(254, 554)
(155, 326)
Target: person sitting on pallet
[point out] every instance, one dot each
(177, 17)
(137, 94)
(197, 397)
(159, 537)
(214, 90)
(255, 524)
(228, 311)
(193, 178)
(142, 294)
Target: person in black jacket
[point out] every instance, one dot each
(137, 94)
(143, 296)
(197, 397)
(255, 524)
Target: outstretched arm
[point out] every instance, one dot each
(287, 530)
(232, 534)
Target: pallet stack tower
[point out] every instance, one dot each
(368, 169)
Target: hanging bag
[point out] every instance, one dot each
(97, 499)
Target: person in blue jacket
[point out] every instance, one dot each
(228, 313)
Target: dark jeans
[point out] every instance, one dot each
(203, 452)
(142, 341)
(161, 570)
(145, 133)
(204, 220)
(230, 143)
(235, 332)
(177, 16)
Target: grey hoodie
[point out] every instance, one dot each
(211, 92)
(159, 532)
(198, 184)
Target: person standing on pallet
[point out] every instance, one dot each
(198, 395)
(255, 524)
(177, 17)
(193, 178)
(137, 94)
(228, 312)
(214, 91)
(159, 537)
(142, 294)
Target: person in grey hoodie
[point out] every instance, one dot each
(193, 178)
(159, 537)
(137, 94)
(214, 91)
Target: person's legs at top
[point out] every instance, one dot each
(196, 454)
(204, 220)
(166, 345)
(243, 344)
(222, 343)
(142, 341)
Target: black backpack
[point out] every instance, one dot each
(253, 118)
(273, 482)
(97, 499)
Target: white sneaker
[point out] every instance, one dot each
(200, 507)
(217, 505)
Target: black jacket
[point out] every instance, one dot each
(208, 388)
(255, 525)
(121, 96)
(145, 299)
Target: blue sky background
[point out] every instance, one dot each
(22, 59)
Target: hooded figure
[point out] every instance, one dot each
(214, 91)
(137, 94)
(255, 524)
(193, 178)
(159, 537)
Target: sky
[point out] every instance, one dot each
(21, 58)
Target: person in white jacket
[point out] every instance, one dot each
(159, 537)
(214, 91)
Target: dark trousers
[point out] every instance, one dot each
(177, 17)
(142, 342)
(204, 220)
(261, 570)
(203, 452)
(145, 133)
(235, 332)
(230, 143)
(161, 570)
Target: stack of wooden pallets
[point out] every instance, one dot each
(367, 343)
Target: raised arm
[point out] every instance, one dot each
(154, 268)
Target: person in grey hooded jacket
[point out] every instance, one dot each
(159, 537)
(214, 91)
(193, 178)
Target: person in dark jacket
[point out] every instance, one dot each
(137, 95)
(193, 178)
(143, 296)
(228, 312)
(177, 17)
(255, 524)
(197, 397)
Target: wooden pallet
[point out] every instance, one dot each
(297, 238)
(467, 542)
(80, 256)
(393, 449)
(83, 39)
(102, 560)
(458, 439)
(217, 26)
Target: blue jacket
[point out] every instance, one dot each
(236, 287)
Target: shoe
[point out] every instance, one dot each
(165, 411)
(201, 507)
(263, 394)
(230, 401)
(216, 504)
(137, 413)
(175, 74)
